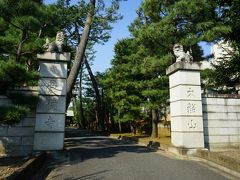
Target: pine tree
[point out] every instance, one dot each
(122, 84)
(23, 27)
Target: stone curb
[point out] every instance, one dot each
(29, 168)
(179, 154)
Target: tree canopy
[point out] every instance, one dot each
(137, 79)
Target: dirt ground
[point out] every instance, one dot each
(164, 137)
(8, 165)
(234, 154)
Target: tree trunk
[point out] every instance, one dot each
(119, 126)
(100, 113)
(75, 110)
(119, 122)
(154, 124)
(80, 52)
(104, 111)
(83, 119)
(20, 45)
(133, 128)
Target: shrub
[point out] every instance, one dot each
(19, 99)
(13, 74)
(13, 114)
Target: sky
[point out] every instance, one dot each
(105, 53)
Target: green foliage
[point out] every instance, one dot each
(71, 18)
(24, 24)
(29, 101)
(13, 74)
(224, 77)
(11, 115)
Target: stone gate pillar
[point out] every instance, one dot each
(50, 113)
(186, 105)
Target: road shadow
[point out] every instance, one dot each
(83, 145)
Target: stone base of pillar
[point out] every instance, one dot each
(183, 151)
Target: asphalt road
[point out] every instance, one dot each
(90, 157)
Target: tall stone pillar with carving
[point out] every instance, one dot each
(186, 105)
(50, 115)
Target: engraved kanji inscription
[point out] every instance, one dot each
(52, 84)
(50, 121)
(192, 125)
(54, 69)
(191, 108)
(52, 104)
(190, 92)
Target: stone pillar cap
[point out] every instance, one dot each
(54, 56)
(192, 66)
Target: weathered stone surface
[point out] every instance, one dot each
(184, 78)
(50, 122)
(10, 141)
(17, 139)
(48, 141)
(222, 131)
(32, 90)
(219, 115)
(29, 121)
(31, 115)
(52, 86)
(4, 101)
(20, 131)
(221, 123)
(185, 92)
(54, 69)
(180, 55)
(186, 124)
(186, 105)
(188, 140)
(18, 150)
(19, 124)
(3, 130)
(216, 139)
(193, 66)
(51, 104)
(27, 141)
(50, 118)
(222, 146)
(186, 108)
(53, 56)
(221, 108)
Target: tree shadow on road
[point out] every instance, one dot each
(84, 146)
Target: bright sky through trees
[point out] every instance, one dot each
(105, 52)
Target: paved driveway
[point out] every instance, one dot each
(90, 157)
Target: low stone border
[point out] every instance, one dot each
(29, 168)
